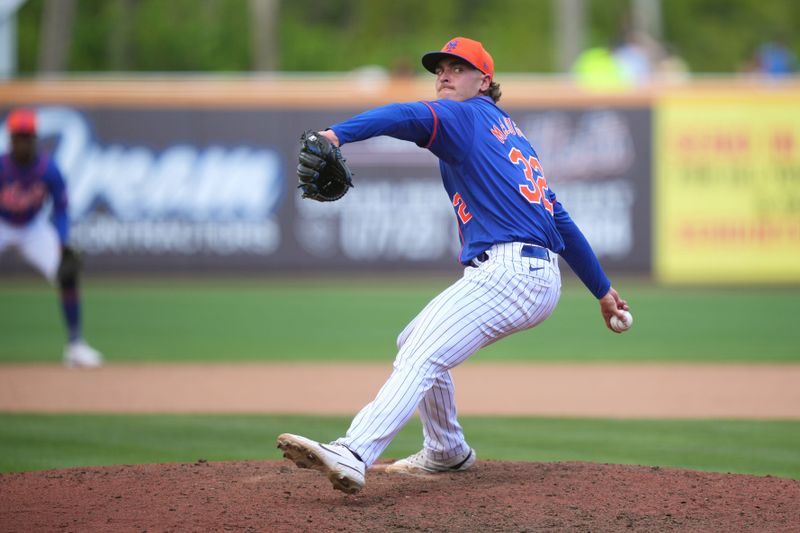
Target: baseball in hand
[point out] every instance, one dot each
(621, 325)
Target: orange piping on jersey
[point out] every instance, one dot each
(435, 125)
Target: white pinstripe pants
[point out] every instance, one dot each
(505, 294)
(37, 242)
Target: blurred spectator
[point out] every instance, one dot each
(672, 68)
(775, 59)
(633, 59)
(639, 56)
(597, 68)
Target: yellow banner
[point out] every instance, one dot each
(727, 188)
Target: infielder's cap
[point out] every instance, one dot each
(470, 51)
(21, 121)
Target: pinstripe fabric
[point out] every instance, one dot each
(37, 242)
(505, 294)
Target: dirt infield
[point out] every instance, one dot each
(492, 496)
(273, 496)
(584, 390)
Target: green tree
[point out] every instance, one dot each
(341, 35)
(721, 35)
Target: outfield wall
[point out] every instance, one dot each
(198, 174)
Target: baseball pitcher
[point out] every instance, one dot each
(512, 229)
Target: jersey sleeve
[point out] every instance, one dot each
(409, 122)
(445, 127)
(578, 253)
(58, 192)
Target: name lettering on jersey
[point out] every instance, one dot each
(459, 202)
(506, 128)
(17, 199)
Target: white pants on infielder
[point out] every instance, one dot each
(36, 241)
(504, 294)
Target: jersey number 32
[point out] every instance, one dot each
(535, 191)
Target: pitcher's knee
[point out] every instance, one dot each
(404, 335)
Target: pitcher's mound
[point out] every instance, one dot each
(492, 496)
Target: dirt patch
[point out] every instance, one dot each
(492, 496)
(645, 390)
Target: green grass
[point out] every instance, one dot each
(287, 320)
(39, 441)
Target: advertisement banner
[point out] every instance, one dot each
(728, 188)
(206, 189)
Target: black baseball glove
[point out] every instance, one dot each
(70, 266)
(322, 170)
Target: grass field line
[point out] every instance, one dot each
(603, 390)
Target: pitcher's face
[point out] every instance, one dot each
(458, 80)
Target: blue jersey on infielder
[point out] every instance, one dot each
(24, 189)
(512, 229)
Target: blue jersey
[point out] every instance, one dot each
(492, 175)
(25, 188)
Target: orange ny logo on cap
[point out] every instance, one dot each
(469, 50)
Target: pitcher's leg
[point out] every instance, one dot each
(446, 333)
(485, 305)
(444, 438)
(378, 423)
(442, 433)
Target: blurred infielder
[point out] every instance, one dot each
(512, 229)
(28, 179)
